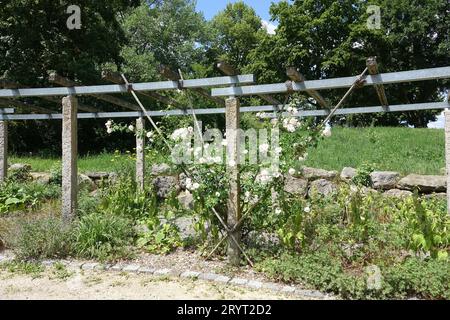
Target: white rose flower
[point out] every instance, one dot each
(109, 131)
(150, 134)
(278, 211)
(292, 171)
(327, 132)
(264, 147)
(131, 128)
(307, 209)
(195, 186)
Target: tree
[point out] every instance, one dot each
(35, 38)
(236, 31)
(330, 38)
(168, 32)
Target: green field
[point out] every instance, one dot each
(399, 149)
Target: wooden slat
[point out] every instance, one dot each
(62, 81)
(229, 70)
(372, 65)
(294, 74)
(115, 77)
(169, 74)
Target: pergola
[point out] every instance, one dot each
(231, 86)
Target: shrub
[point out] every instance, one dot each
(362, 177)
(428, 279)
(103, 237)
(41, 238)
(25, 196)
(125, 199)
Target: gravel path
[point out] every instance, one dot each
(97, 285)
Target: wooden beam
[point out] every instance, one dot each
(24, 105)
(8, 84)
(372, 65)
(115, 77)
(229, 70)
(294, 74)
(169, 74)
(65, 82)
(15, 85)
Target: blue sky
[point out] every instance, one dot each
(211, 7)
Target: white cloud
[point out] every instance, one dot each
(269, 27)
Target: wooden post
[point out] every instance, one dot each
(3, 150)
(140, 153)
(233, 159)
(447, 155)
(69, 158)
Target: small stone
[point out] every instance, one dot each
(131, 268)
(296, 186)
(186, 199)
(165, 185)
(116, 267)
(425, 184)
(238, 281)
(222, 279)
(20, 167)
(89, 266)
(397, 193)
(322, 187)
(160, 169)
(163, 272)
(384, 180)
(440, 195)
(348, 173)
(41, 177)
(255, 284)
(84, 182)
(315, 174)
(271, 286)
(147, 270)
(309, 293)
(190, 274)
(208, 276)
(288, 289)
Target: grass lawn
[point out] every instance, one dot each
(404, 150)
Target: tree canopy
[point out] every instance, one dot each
(327, 38)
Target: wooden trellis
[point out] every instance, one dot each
(232, 86)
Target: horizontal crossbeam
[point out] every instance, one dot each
(335, 83)
(146, 86)
(268, 108)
